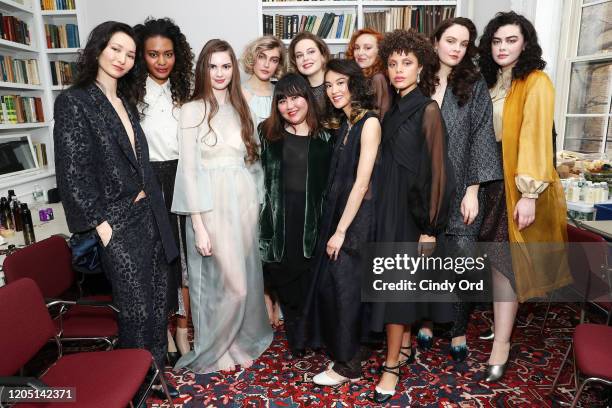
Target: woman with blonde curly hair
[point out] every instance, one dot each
(363, 48)
(263, 59)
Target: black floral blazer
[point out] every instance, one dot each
(98, 175)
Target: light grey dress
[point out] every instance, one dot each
(226, 289)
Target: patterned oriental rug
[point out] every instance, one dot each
(434, 380)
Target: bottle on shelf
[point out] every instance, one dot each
(28, 225)
(7, 216)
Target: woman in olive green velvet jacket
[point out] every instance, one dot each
(295, 155)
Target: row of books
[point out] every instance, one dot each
(40, 149)
(422, 18)
(13, 29)
(62, 72)
(329, 25)
(57, 4)
(21, 109)
(62, 36)
(19, 71)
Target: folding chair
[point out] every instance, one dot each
(49, 264)
(101, 379)
(592, 358)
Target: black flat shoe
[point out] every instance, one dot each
(487, 335)
(381, 396)
(424, 341)
(459, 353)
(160, 394)
(172, 357)
(410, 358)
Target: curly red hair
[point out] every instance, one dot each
(378, 65)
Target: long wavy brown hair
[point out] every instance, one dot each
(203, 91)
(465, 74)
(379, 65)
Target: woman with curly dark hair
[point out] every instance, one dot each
(108, 187)
(414, 187)
(363, 48)
(164, 82)
(335, 316)
(534, 210)
(474, 156)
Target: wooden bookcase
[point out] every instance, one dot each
(30, 12)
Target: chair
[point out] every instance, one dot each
(592, 357)
(588, 263)
(49, 264)
(101, 379)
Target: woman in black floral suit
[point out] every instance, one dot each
(107, 185)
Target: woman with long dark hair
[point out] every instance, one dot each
(363, 48)
(108, 187)
(530, 208)
(414, 187)
(334, 311)
(164, 78)
(219, 185)
(295, 155)
(474, 156)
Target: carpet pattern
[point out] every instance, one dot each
(434, 380)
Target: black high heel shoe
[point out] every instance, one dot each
(172, 357)
(381, 396)
(410, 358)
(424, 341)
(487, 335)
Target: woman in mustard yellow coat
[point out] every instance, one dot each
(534, 218)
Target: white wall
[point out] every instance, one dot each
(200, 20)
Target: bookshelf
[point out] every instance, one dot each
(285, 18)
(30, 66)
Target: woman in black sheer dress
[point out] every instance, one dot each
(413, 188)
(335, 316)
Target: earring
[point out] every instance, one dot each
(418, 77)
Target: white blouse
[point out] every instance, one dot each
(160, 121)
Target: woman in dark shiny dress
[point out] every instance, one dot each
(335, 317)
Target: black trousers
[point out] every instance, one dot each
(135, 265)
(166, 174)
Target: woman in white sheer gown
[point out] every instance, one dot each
(218, 184)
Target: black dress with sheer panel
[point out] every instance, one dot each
(414, 187)
(335, 317)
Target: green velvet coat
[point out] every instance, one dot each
(272, 220)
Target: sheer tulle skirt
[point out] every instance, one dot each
(229, 316)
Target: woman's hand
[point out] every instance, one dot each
(469, 205)
(427, 244)
(105, 232)
(202, 241)
(334, 244)
(524, 212)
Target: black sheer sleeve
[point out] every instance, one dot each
(436, 186)
(382, 94)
